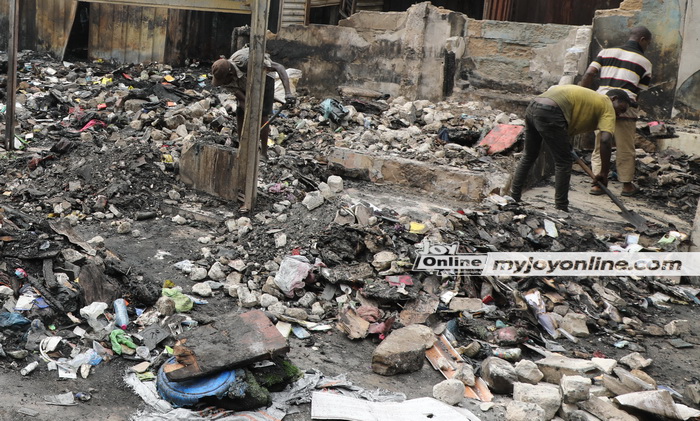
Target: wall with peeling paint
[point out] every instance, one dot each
(405, 53)
(665, 19)
(687, 98)
(399, 53)
(522, 57)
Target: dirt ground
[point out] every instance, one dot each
(118, 162)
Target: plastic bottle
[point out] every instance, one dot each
(121, 318)
(29, 368)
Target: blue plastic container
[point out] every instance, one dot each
(189, 392)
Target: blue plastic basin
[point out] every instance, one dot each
(189, 392)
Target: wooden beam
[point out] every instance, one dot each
(226, 6)
(12, 75)
(248, 153)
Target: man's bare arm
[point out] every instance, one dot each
(589, 77)
(282, 72)
(605, 153)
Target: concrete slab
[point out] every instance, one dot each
(686, 142)
(452, 182)
(599, 213)
(232, 341)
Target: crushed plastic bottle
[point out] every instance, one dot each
(29, 368)
(121, 317)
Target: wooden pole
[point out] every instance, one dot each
(11, 75)
(248, 153)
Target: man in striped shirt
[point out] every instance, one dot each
(626, 68)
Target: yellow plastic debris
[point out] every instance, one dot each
(417, 228)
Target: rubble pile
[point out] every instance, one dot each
(99, 147)
(670, 179)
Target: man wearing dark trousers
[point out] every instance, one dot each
(554, 116)
(626, 68)
(231, 73)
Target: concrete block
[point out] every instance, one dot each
(297, 313)
(599, 391)
(605, 410)
(555, 366)
(202, 289)
(247, 298)
(335, 183)
(217, 272)
(575, 388)
(632, 381)
(582, 416)
(677, 327)
(636, 360)
(465, 374)
(312, 200)
(498, 374)
(644, 377)
(466, 304)
(403, 351)
(547, 396)
(528, 372)
(566, 410)
(198, 274)
(616, 387)
(453, 182)
(575, 323)
(523, 411)
(692, 392)
(606, 365)
(450, 391)
(266, 300)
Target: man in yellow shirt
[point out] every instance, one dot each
(563, 111)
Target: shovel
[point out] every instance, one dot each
(634, 218)
(275, 115)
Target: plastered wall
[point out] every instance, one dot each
(404, 53)
(687, 98)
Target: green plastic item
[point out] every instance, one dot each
(183, 303)
(119, 337)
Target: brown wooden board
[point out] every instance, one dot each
(233, 340)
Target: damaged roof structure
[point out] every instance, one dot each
(134, 287)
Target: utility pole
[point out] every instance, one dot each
(248, 153)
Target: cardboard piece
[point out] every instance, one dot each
(328, 406)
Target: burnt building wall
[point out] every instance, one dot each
(665, 20)
(399, 53)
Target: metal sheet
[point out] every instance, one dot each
(294, 12)
(132, 34)
(54, 19)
